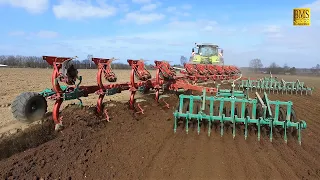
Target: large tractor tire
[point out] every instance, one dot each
(29, 107)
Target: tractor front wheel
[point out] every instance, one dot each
(29, 107)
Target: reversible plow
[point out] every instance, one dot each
(236, 110)
(29, 106)
(225, 108)
(275, 85)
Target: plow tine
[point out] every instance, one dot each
(285, 132)
(234, 126)
(209, 128)
(198, 123)
(246, 127)
(175, 122)
(271, 130)
(211, 108)
(299, 133)
(259, 128)
(187, 123)
(221, 125)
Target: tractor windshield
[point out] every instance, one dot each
(208, 51)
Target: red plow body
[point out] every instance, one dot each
(140, 78)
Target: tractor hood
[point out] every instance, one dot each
(206, 60)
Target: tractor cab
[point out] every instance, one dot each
(206, 54)
(206, 50)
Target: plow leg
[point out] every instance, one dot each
(132, 100)
(55, 114)
(99, 104)
(157, 95)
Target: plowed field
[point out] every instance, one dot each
(136, 146)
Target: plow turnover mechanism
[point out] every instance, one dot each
(224, 108)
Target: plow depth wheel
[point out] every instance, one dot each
(29, 106)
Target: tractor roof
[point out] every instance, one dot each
(207, 44)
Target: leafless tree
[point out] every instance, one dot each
(275, 68)
(256, 65)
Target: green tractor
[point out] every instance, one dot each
(207, 54)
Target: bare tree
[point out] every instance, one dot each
(275, 68)
(256, 65)
(316, 70)
(293, 70)
(286, 68)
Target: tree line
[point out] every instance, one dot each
(256, 66)
(37, 62)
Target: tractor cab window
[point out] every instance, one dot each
(208, 51)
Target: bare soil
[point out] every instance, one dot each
(134, 146)
(143, 146)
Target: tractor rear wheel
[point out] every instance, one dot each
(29, 107)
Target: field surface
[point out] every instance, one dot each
(134, 146)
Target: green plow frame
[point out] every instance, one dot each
(275, 86)
(258, 112)
(75, 94)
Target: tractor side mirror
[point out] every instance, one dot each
(192, 49)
